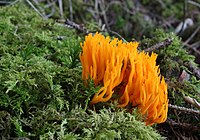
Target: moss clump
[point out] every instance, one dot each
(41, 85)
(105, 125)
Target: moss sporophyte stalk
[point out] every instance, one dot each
(124, 71)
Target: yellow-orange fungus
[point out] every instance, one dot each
(124, 71)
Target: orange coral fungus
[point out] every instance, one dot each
(125, 72)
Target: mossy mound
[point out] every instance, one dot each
(41, 86)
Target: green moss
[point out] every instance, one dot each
(105, 125)
(41, 85)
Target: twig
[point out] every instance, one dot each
(9, 3)
(192, 101)
(5, 2)
(194, 45)
(184, 109)
(50, 4)
(60, 3)
(196, 51)
(52, 12)
(75, 128)
(118, 3)
(16, 29)
(194, 3)
(36, 9)
(115, 33)
(71, 10)
(159, 45)
(102, 5)
(74, 25)
(77, 26)
(175, 133)
(82, 29)
(162, 3)
(192, 36)
(195, 70)
(39, 7)
(185, 126)
(184, 15)
(177, 117)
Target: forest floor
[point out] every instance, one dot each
(42, 93)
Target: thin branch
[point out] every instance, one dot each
(5, 2)
(38, 6)
(52, 12)
(75, 128)
(192, 36)
(195, 70)
(194, 3)
(36, 9)
(194, 48)
(118, 3)
(175, 133)
(71, 24)
(184, 16)
(102, 5)
(185, 126)
(183, 109)
(192, 101)
(159, 45)
(9, 3)
(117, 34)
(194, 45)
(50, 4)
(162, 3)
(60, 3)
(71, 10)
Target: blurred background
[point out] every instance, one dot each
(130, 19)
